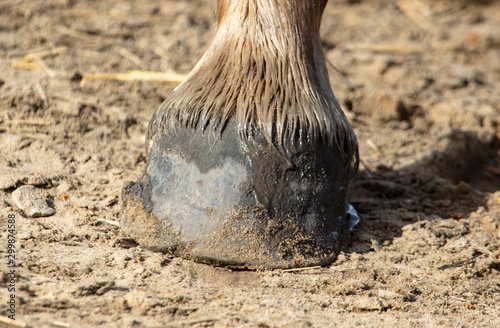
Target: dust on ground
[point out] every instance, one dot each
(418, 79)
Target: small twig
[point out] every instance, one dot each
(45, 101)
(458, 299)
(117, 14)
(130, 56)
(25, 135)
(46, 68)
(135, 76)
(18, 53)
(459, 263)
(414, 14)
(193, 322)
(381, 48)
(370, 143)
(12, 323)
(160, 52)
(26, 65)
(74, 33)
(29, 122)
(28, 61)
(302, 269)
(42, 54)
(109, 222)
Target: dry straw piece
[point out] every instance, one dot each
(28, 122)
(29, 61)
(135, 76)
(11, 323)
(302, 269)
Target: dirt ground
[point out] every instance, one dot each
(418, 79)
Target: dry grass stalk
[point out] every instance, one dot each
(74, 33)
(42, 54)
(160, 52)
(130, 56)
(28, 61)
(26, 65)
(11, 323)
(372, 145)
(381, 48)
(458, 299)
(118, 14)
(414, 11)
(135, 76)
(45, 101)
(302, 269)
(46, 68)
(115, 223)
(28, 122)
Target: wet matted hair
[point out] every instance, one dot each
(266, 70)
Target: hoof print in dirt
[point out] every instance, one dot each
(250, 158)
(31, 202)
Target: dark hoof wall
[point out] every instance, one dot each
(225, 201)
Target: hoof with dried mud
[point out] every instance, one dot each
(250, 158)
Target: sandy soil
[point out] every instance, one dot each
(420, 82)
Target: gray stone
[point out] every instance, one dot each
(31, 202)
(7, 182)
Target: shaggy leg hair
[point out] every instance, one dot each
(265, 69)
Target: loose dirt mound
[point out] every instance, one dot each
(419, 81)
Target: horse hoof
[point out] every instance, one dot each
(251, 156)
(221, 200)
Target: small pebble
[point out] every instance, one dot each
(116, 171)
(31, 202)
(7, 182)
(110, 201)
(64, 187)
(37, 180)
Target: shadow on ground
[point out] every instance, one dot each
(450, 184)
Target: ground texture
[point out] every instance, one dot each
(418, 79)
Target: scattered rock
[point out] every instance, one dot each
(31, 202)
(141, 302)
(64, 187)
(110, 201)
(124, 242)
(375, 245)
(371, 304)
(37, 180)
(116, 171)
(103, 181)
(97, 288)
(390, 295)
(7, 182)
